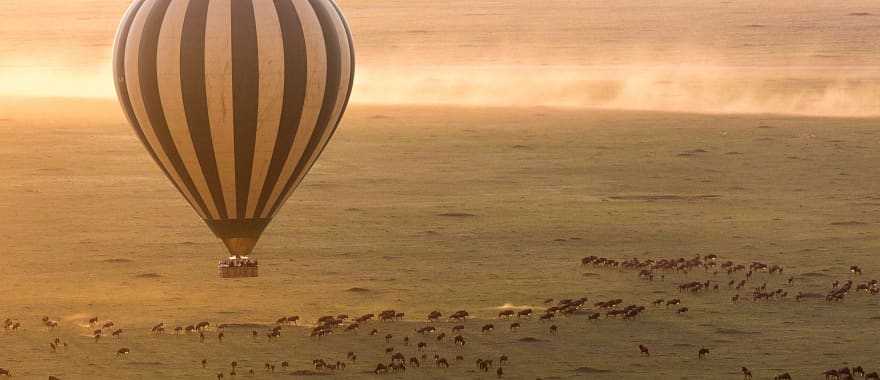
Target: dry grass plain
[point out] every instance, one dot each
(91, 228)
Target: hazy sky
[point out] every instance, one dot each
(715, 56)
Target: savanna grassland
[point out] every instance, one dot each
(441, 208)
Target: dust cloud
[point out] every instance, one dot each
(807, 57)
(22, 77)
(671, 88)
(674, 88)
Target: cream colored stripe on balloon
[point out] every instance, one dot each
(171, 93)
(218, 83)
(342, 91)
(316, 82)
(270, 46)
(132, 75)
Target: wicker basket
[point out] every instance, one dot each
(238, 267)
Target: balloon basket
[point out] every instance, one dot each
(238, 267)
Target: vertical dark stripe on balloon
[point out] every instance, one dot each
(351, 71)
(245, 95)
(295, 75)
(331, 39)
(195, 97)
(149, 78)
(122, 85)
(350, 80)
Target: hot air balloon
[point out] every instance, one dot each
(234, 100)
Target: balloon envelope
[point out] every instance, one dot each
(234, 99)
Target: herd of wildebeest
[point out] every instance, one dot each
(418, 346)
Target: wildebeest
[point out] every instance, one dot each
(398, 357)
(459, 315)
(319, 363)
(858, 370)
(524, 313)
(380, 368)
(387, 315)
(459, 340)
(484, 365)
(702, 353)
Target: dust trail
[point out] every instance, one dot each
(26, 78)
(808, 90)
(812, 91)
(512, 306)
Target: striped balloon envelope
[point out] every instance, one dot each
(234, 99)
